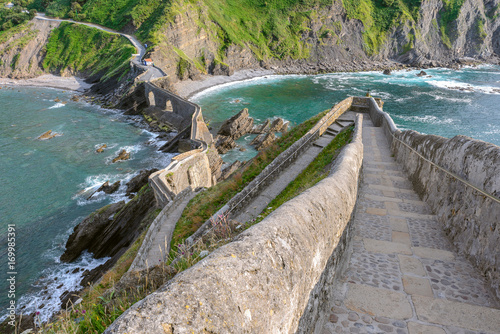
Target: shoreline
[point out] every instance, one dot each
(49, 81)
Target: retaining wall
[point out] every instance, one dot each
(281, 162)
(192, 168)
(266, 280)
(460, 180)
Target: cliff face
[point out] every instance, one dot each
(191, 44)
(22, 49)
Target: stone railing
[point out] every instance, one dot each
(460, 180)
(273, 170)
(147, 244)
(192, 168)
(269, 279)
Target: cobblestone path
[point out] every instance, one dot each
(404, 275)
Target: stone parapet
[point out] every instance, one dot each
(460, 180)
(280, 163)
(266, 280)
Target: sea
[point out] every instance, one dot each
(44, 185)
(444, 102)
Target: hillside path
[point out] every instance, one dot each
(404, 275)
(271, 191)
(151, 71)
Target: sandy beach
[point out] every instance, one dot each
(49, 80)
(188, 88)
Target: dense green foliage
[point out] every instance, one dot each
(379, 16)
(12, 17)
(449, 13)
(87, 50)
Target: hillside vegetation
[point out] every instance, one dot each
(84, 50)
(272, 28)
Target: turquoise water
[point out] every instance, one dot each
(45, 183)
(426, 104)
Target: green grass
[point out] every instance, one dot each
(315, 172)
(380, 16)
(448, 14)
(87, 50)
(207, 203)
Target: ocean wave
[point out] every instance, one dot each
(54, 283)
(464, 87)
(57, 105)
(430, 119)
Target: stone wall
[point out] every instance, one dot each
(265, 280)
(192, 168)
(140, 259)
(460, 180)
(274, 169)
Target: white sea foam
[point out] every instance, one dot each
(425, 119)
(465, 87)
(57, 105)
(54, 282)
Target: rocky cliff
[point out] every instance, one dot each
(333, 39)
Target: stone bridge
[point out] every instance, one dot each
(401, 237)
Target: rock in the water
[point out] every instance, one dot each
(237, 126)
(49, 135)
(387, 72)
(224, 144)
(421, 74)
(263, 128)
(101, 148)
(85, 233)
(113, 228)
(123, 155)
(75, 98)
(226, 172)
(242, 149)
(109, 189)
(139, 181)
(278, 125)
(57, 100)
(263, 141)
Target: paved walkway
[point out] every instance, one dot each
(404, 275)
(266, 195)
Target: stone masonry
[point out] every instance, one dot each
(404, 275)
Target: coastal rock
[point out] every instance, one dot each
(229, 170)
(68, 298)
(49, 135)
(101, 148)
(421, 74)
(123, 155)
(139, 181)
(278, 125)
(86, 232)
(237, 126)
(109, 189)
(263, 141)
(387, 72)
(263, 128)
(224, 144)
(113, 228)
(215, 162)
(57, 100)
(75, 98)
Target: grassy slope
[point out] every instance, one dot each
(87, 50)
(270, 28)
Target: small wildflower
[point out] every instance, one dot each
(83, 311)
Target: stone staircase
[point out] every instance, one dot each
(403, 275)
